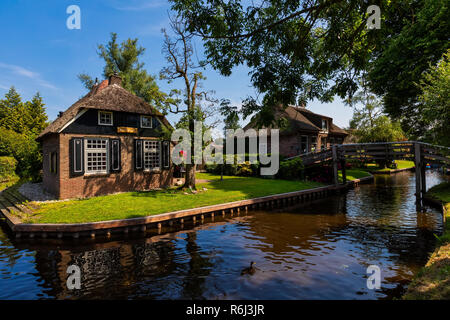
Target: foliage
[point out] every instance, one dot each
(230, 114)
(123, 59)
(435, 102)
(368, 121)
(20, 124)
(292, 169)
(415, 34)
(383, 130)
(302, 50)
(193, 103)
(7, 167)
(24, 149)
(27, 117)
(296, 50)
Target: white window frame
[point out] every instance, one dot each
(86, 157)
(105, 112)
(151, 122)
(145, 150)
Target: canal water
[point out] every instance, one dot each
(320, 250)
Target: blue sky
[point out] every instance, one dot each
(39, 53)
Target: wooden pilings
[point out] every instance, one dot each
(420, 165)
(335, 165)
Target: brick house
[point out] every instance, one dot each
(305, 131)
(108, 141)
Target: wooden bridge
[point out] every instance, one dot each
(419, 152)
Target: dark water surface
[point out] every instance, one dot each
(316, 251)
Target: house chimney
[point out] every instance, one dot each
(60, 114)
(115, 79)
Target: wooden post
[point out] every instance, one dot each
(418, 169)
(335, 165)
(423, 180)
(344, 172)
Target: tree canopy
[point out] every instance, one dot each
(20, 123)
(303, 50)
(124, 59)
(435, 102)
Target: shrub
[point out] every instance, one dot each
(292, 169)
(25, 150)
(7, 168)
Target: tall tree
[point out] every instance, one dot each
(38, 116)
(178, 51)
(230, 114)
(435, 102)
(296, 50)
(415, 35)
(124, 59)
(20, 123)
(369, 122)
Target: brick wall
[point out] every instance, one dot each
(93, 185)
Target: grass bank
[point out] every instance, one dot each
(353, 174)
(140, 204)
(433, 281)
(401, 164)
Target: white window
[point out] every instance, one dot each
(146, 122)
(152, 152)
(96, 155)
(324, 125)
(105, 118)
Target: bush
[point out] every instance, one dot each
(25, 150)
(291, 169)
(7, 168)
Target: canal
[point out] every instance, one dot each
(320, 250)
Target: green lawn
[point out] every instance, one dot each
(353, 174)
(433, 281)
(401, 164)
(139, 204)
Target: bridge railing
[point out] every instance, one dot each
(379, 151)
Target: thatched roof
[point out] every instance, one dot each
(297, 121)
(105, 96)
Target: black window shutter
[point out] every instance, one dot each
(76, 156)
(166, 154)
(138, 165)
(114, 155)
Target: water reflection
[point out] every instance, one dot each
(316, 251)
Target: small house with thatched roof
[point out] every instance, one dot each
(108, 141)
(305, 131)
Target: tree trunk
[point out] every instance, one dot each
(189, 180)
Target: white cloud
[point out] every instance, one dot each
(18, 70)
(4, 87)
